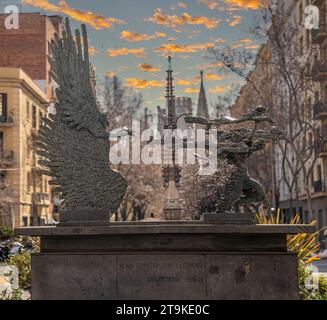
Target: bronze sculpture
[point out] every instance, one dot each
(234, 146)
(74, 142)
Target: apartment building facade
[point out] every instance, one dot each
(27, 47)
(22, 106)
(309, 195)
(27, 93)
(319, 75)
(300, 111)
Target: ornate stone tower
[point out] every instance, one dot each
(171, 172)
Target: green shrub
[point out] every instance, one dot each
(322, 288)
(307, 292)
(6, 232)
(23, 263)
(16, 294)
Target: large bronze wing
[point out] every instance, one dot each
(74, 142)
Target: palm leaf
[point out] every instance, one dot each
(304, 244)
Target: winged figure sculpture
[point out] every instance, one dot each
(74, 142)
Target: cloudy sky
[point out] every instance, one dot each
(131, 38)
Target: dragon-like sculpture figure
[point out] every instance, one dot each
(234, 147)
(74, 142)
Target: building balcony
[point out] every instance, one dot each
(6, 157)
(320, 110)
(319, 71)
(320, 144)
(319, 35)
(6, 121)
(318, 186)
(41, 198)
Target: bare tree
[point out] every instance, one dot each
(287, 95)
(122, 106)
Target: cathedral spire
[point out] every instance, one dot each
(201, 76)
(202, 103)
(170, 97)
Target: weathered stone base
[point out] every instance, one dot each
(229, 218)
(165, 260)
(164, 276)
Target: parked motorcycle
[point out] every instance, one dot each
(11, 248)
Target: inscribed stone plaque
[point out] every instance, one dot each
(75, 277)
(173, 276)
(252, 276)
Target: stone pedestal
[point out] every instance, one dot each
(164, 260)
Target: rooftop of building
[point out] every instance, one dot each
(18, 75)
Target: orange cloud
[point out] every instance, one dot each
(160, 34)
(148, 67)
(92, 51)
(110, 74)
(252, 46)
(180, 4)
(213, 76)
(142, 84)
(136, 37)
(211, 4)
(247, 4)
(184, 82)
(208, 76)
(218, 89)
(173, 47)
(191, 90)
(174, 21)
(245, 40)
(217, 40)
(246, 43)
(114, 52)
(236, 20)
(97, 21)
(209, 66)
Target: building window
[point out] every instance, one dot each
(34, 116)
(311, 178)
(29, 182)
(320, 221)
(319, 172)
(45, 186)
(28, 110)
(25, 221)
(310, 141)
(3, 107)
(40, 118)
(2, 141)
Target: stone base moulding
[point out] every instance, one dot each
(230, 218)
(165, 260)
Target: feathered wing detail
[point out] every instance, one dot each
(74, 142)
